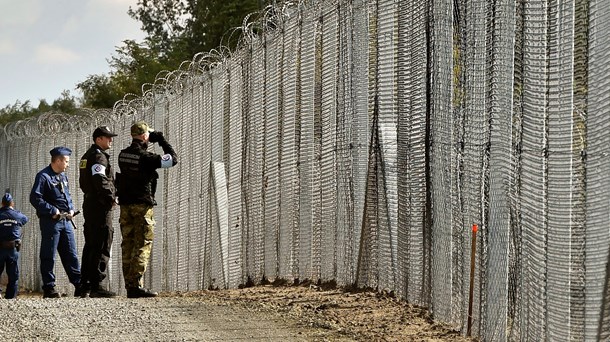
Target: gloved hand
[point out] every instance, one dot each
(156, 136)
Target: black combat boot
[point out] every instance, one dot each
(99, 292)
(49, 292)
(140, 292)
(80, 291)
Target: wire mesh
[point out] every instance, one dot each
(442, 161)
(235, 254)
(387, 46)
(345, 181)
(255, 149)
(597, 326)
(271, 152)
(563, 234)
(306, 131)
(328, 169)
(497, 230)
(288, 265)
(533, 175)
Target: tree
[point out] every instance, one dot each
(176, 31)
(98, 91)
(181, 29)
(133, 65)
(66, 103)
(212, 20)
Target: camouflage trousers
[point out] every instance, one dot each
(137, 226)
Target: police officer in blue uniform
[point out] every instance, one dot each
(11, 221)
(51, 198)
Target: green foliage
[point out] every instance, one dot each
(180, 29)
(162, 20)
(133, 65)
(213, 20)
(176, 31)
(66, 103)
(99, 91)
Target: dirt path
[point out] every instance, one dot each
(359, 316)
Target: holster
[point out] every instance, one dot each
(9, 244)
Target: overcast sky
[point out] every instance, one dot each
(47, 46)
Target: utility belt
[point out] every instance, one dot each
(10, 244)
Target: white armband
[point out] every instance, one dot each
(166, 161)
(98, 169)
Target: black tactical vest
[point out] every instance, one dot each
(137, 184)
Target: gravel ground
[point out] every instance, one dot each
(262, 313)
(158, 319)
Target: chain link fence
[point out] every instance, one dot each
(357, 142)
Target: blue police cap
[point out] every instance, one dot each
(60, 151)
(7, 198)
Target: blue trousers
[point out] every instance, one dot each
(58, 236)
(10, 259)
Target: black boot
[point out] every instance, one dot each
(140, 292)
(99, 292)
(82, 290)
(49, 292)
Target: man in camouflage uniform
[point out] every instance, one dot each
(137, 184)
(96, 179)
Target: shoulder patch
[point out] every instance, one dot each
(83, 164)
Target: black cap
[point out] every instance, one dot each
(103, 131)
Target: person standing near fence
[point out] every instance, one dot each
(137, 184)
(11, 221)
(50, 196)
(96, 180)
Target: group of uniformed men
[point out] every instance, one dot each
(133, 188)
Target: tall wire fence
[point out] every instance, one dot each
(357, 142)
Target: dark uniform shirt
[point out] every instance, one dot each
(11, 221)
(96, 177)
(138, 182)
(50, 193)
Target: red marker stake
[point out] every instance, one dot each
(473, 252)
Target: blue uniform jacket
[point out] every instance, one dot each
(11, 221)
(51, 193)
